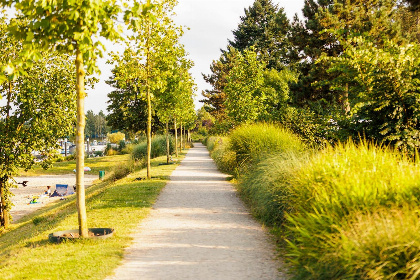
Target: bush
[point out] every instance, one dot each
(315, 130)
(121, 145)
(115, 137)
(98, 153)
(252, 143)
(122, 170)
(128, 149)
(348, 212)
(381, 245)
(200, 134)
(158, 147)
(225, 158)
(210, 141)
(267, 187)
(333, 188)
(111, 152)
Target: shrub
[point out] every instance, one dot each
(111, 152)
(98, 153)
(198, 136)
(158, 147)
(225, 158)
(128, 149)
(210, 141)
(70, 157)
(267, 187)
(121, 145)
(333, 188)
(252, 143)
(122, 170)
(115, 137)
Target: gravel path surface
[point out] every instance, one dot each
(199, 229)
(37, 186)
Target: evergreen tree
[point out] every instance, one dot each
(326, 23)
(309, 42)
(263, 27)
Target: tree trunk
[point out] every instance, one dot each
(149, 108)
(1, 204)
(167, 143)
(346, 103)
(176, 138)
(418, 24)
(189, 136)
(149, 132)
(80, 145)
(180, 144)
(4, 217)
(5, 214)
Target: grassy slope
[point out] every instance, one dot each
(25, 252)
(66, 167)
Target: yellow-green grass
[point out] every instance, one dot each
(67, 167)
(26, 253)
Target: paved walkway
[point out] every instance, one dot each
(199, 229)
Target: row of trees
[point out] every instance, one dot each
(72, 28)
(348, 68)
(96, 125)
(45, 102)
(151, 78)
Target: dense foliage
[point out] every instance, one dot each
(346, 212)
(158, 148)
(348, 68)
(39, 108)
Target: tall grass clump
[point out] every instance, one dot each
(210, 142)
(330, 194)
(158, 147)
(222, 155)
(267, 187)
(252, 143)
(381, 245)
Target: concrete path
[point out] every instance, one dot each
(199, 229)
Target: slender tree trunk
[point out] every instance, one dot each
(167, 143)
(4, 211)
(418, 24)
(1, 204)
(189, 136)
(149, 131)
(5, 214)
(346, 103)
(80, 145)
(149, 107)
(176, 138)
(180, 144)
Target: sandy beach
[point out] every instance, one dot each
(36, 186)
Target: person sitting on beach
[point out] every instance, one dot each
(48, 191)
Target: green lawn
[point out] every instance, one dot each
(66, 167)
(26, 253)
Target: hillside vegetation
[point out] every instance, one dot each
(346, 212)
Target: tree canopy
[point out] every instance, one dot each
(39, 108)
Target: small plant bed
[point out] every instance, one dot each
(95, 233)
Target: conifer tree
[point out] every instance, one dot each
(263, 27)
